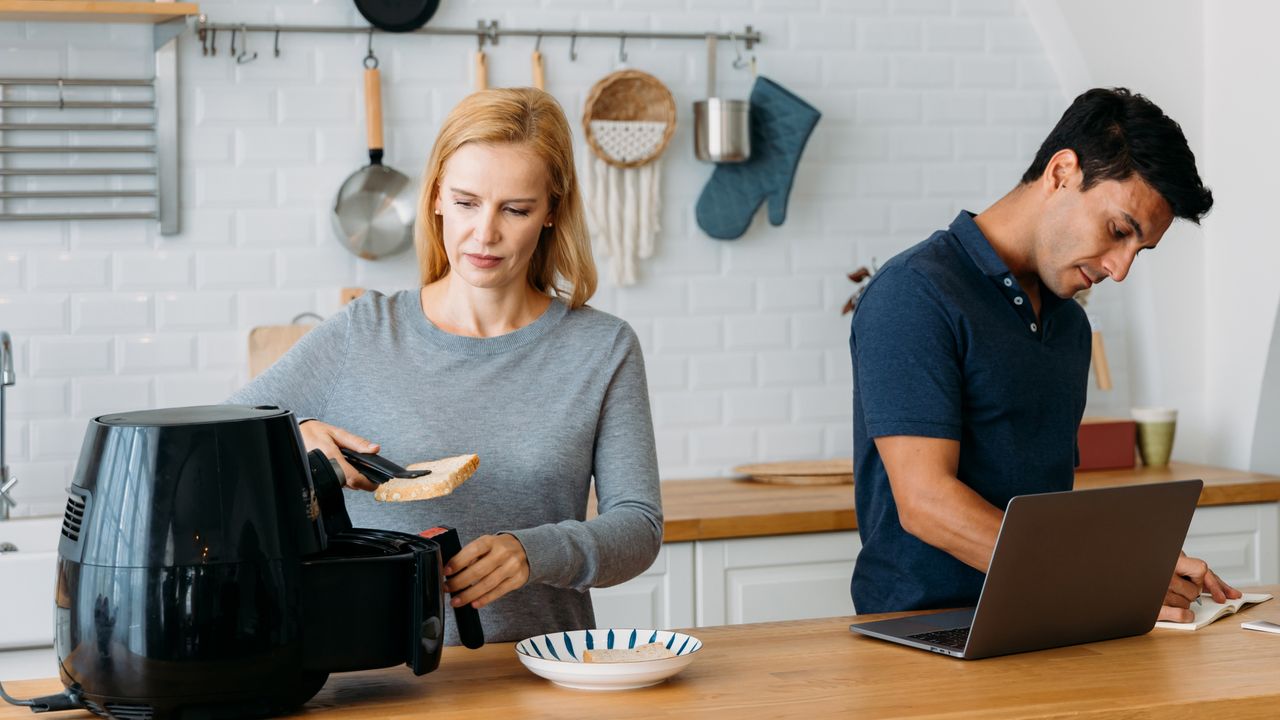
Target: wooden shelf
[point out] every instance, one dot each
(89, 11)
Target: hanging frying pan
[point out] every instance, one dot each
(373, 215)
(397, 15)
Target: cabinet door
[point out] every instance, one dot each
(660, 598)
(787, 577)
(1240, 542)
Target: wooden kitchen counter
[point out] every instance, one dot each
(811, 669)
(730, 507)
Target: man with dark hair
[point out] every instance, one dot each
(971, 360)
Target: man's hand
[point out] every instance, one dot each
(486, 569)
(329, 439)
(1191, 576)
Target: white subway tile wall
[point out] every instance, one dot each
(929, 106)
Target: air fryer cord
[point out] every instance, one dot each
(65, 700)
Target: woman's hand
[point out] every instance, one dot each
(486, 569)
(329, 439)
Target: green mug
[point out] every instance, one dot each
(1156, 428)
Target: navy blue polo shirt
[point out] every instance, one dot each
(945, 345)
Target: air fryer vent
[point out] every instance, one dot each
(117, 711)
(72, 519)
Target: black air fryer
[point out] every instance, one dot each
(208, 569)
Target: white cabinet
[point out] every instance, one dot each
(763, 579)
(1240, 542)
(662, 597)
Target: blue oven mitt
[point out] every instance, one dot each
(780, 126)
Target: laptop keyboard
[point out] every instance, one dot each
(953, 638)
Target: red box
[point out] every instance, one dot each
(1107, 444)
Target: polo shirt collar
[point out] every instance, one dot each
(984, 256)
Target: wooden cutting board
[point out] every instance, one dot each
(801, 472)
(268, 342)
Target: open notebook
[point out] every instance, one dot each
(1207, 610)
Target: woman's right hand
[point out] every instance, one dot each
(329, 440)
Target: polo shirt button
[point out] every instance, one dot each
(1008, 282)
(1033, 327)
(1017, 300)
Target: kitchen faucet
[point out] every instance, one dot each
(6, 378)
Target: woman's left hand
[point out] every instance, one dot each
(486, 569)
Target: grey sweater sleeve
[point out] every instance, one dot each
(303, 379)
(623, 540)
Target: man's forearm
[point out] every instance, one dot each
(950, 516)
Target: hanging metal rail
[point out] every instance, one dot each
(484, 32)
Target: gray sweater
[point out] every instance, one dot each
(546, 408)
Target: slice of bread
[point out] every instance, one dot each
(446, 475)
(651, 651)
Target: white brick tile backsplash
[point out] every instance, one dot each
(656, 297)
(163, 269)
(722, 371)
(43, 486)
(790, 369)
(17, 448)
(795, 293)
(155, 353)
(683, 334)
(31, 398)
(955, 35)
(70, 271)
(792, 442)
(237, 269)
(757, 407)
(820, 33)
(44, 313)
(757, 332)
(928, 106)
(981, 71)
(724, 446)
(671, 409)
(923, 71)
(93, 396)
(722, 295)
(104, 313)
(194, 311)
(889, 35)
(822, 404)
(206, 388)
(12, 272)
(58, 439)
(66, 356)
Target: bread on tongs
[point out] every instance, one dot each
(446, 474)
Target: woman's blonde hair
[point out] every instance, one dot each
(562, 264)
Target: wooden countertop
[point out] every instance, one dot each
(816, 669)
(719, 508)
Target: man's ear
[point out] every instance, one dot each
(1062, 170)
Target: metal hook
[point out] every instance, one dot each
(573, 44)
(537, 44)
(213, 41)
(276, 49)
(481, 34)
(371, 60)
(622, 47)
(233, 42)
(204, 41)
(61, 101)
(245, 56)
(739, 62)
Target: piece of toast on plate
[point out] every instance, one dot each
(650, 651)
(446, 474)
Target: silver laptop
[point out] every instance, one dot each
(1068, 568)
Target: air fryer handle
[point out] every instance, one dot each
(470, 631)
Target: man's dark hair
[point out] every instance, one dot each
(1116, 133)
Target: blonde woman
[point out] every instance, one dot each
(495, 354)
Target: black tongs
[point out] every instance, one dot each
(379, 469)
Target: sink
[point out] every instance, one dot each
(27, 581)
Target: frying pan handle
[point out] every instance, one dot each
(373, 113)
(482, 71)
(539, 71)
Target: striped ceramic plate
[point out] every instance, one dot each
(558, 657)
